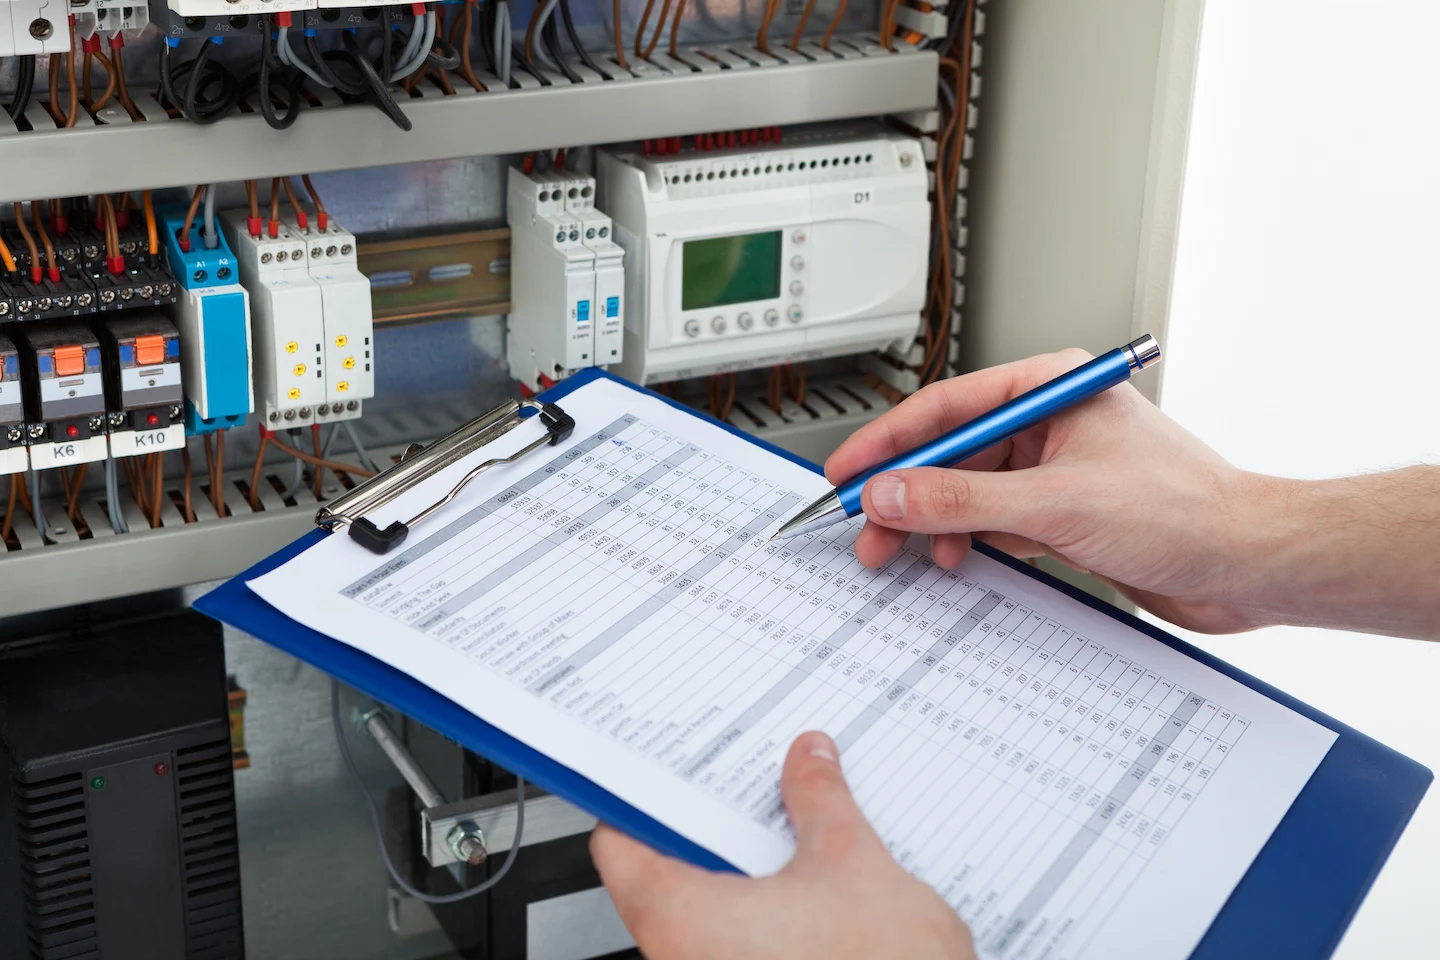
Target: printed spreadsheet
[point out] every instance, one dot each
(1043, 767)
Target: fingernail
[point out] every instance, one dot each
(824, 748)
(887, 496)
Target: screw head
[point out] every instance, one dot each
(107, 296)
(146, 292)
(289, 414)
(315, 252)
(68, 254)
(92, 251)
(13, 434)
(329, 251)
(174, 412)
(24, 306)
(265, 258)
(126, 293)
(85, 299)
(45, 303)
(297, 254)
(353, 405)
(42, 29)
(164, 289)
(199, 276)
(560, 236)
(63, 302)
(96, 423)
(304, 412)
(604, 231)
(280, 257)
(274, 418)
(906, 159)
(4, 308)
(345, 249)
(36, 431)
(116, 418)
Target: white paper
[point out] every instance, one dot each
(1071, 786)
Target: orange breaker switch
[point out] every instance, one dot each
(150, 351)
(69, 361)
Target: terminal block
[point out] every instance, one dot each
(140, 354)
(287, 321)
(346, 318)
(14, 458)
(140, 287)
(64, 393)
(213, 316)
(70, 296)
(229, 9)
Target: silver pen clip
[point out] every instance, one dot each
(352, 509)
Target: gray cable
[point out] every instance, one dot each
(412, 43)
(37, 513)
(540, 50)
(502, 41)
(282, 45)
(422, 49)
(112, 498)
(380, 830)
(212, 239)
(354, 436)
(296, 483)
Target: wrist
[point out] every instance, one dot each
(1280, 555)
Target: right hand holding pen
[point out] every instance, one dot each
(1112, 487)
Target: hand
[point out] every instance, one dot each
(1112, 487)
(842, 897)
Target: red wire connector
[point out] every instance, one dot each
(122, 218)
(273, 228)
(674, 144)
(545, 381)
(117, 40)
(36, 273)
(648, 147)
(302, 220)
(283, 19)
(116, 265)
(184, 243)
(253, 224)
(528, 164)
(560, 159)
(60, 225)
(90, 44)
(54, 273)
(418, 9)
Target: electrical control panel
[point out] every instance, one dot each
(287, 321)
(235, 8)
(213, 317)
(64, 393)
(747, 257)
(566, 278)
(346, 318)
(140, 355)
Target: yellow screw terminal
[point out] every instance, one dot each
(291, 347)
(299, 369)
(348, 363)
(341, 340)
(343, 385)
(294, 393)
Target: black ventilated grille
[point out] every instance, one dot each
(54, 848)
(209, 852)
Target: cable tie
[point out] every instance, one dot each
(253, 223)
(116, 265)
(283, 19)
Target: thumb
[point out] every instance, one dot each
(826, 819)
(939, 500)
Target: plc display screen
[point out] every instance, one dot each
(727, 270)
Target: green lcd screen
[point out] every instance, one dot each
(730, 270)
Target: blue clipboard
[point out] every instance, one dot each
(1295, 901)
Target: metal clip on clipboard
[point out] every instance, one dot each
(417, 465)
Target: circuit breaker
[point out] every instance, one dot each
(287, 321)
(213, 316)
(33, 28)
(346, 317)
(64, 393)
(566, 278)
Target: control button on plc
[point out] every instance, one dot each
(772, 317)
(797, 263)
(796, 288)
(692, 327)
(798, 237)
(795, 314)
(718, 324)
(745, 320)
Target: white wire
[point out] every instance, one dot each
(289, 56)
(354, 436)
(212, 239)
(407, 53)
(112, 498)
(422, 49)
(545, 13)
(502, 41)
(380, 830)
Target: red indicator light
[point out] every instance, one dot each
(162, 768)
(152, 420)
(72, 431)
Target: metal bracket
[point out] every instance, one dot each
(492, 817)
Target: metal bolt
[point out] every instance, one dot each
(107, 296)
(96, 423)
(274, 418)
(289, 414)
(297, 254)
(13, 434)
(468, 844)
(329, 251)
(36, 431)
(265, 258)
(41, 29)
(85, 299)
(315, 252)
(116, 418)
(906, 159)
(345, 249)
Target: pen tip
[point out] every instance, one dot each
(775, 535)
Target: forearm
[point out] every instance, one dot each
(1360, 553)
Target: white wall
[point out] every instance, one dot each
(1305, 334)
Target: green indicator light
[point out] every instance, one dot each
(97, 783)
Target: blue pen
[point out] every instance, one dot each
(986, 430)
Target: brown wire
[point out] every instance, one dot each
(24, 493)
(123, 89)
(157, 487)
(25, 235)
(800, 27)
(112, 232)
(255, 472)
(184, 235)
(188, 479)
(834, 22)
(112, 83)
(762, 39)
(85, 73)
(134, 476)
(675, 28)
(72, 494)
(56, 62)
(217, 485)
(252, 196)
(314, 461)
(290, 197)
(463, 25)
(660, 23)
(9, 509)
(640, 27)
(275, 200)
(315, 442)
(619, 39)
(44, 236)
(314, 196)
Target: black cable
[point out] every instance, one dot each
(487, 37)
(202, 104)
(550, 36)
(167, 79)
(322, 67)
(448, 58)
(24, 82)
(289, 82)
(574, 38)
(379, 91)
